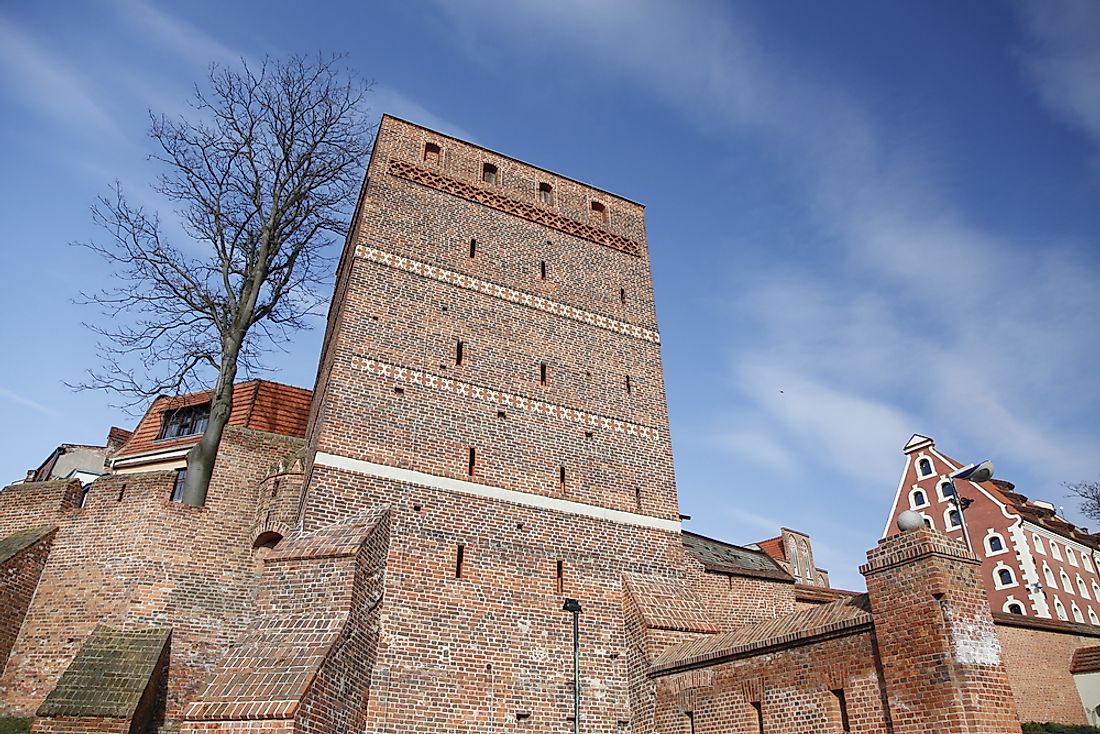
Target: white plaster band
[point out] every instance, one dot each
(497, 493)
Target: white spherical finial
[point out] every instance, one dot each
(910, 520)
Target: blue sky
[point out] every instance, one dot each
(865, 220)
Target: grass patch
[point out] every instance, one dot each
(1050, 728)
(15, 726)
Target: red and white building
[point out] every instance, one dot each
(1034, 563)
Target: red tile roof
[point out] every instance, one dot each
(1086, 660)
(774, 547)
(257, 404)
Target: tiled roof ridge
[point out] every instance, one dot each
(729, 563)
(1086, 660)
(839, 618)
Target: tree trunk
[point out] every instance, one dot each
(201, 457)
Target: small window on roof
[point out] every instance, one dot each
(189, 421)
(599, 211)
(1015, 608)
(431, 153)
(488, 173)
(924, 466)
(546, 193)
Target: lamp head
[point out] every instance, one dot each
(982, 472)
(572, 605)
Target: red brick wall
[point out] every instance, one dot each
(793, 687)
(80, 725)
(737, 601)
(32, 504)
(18, 580)
(1038, 662)
(145, 560)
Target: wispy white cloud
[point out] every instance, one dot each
(1063, 63)
(25, 402)
(44, 81)
(387, 100)
(174, 34)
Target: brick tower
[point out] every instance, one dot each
(492, 373)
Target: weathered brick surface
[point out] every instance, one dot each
(1038, 656)
(22, 557)
(132, 557)
(941, 659)
(34, 504)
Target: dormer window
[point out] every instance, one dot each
(181, 422)
(489, 173)
(599, 212)
(546, 193)
(431, 153)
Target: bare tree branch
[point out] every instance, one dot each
(263, 178)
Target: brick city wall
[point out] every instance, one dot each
(1037, 655)
(790, 689)
(33, 504)
(738, 601)
(130, 556)
(19, 574)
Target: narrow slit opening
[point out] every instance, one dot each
(460, 350)
(473, 248)
(460, 559)
(560, 577)
(542, 373)
(473, 462)
(542, 269)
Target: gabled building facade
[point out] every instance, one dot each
(1034, 563)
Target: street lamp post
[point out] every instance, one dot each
(982, 472)
(574, 607)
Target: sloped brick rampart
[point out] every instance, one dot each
(305, 662)
(22, 558)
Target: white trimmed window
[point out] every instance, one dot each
(1086, 562)
(1092, 617)
(994, 543)
(1066, 585)
(1081, 588)
(1013, 606)
(1060, 609)
(917, 498)
(945, 490)
(1003, 577)
(951, 519)
(1038, 543)
(1071, 556)
(924, 467)
(1077, 616)
(928, 521)
(1055, 550)
(1095, 591)
(1049, 576)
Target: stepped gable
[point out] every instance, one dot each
(305, 612)
(16, 542)
(110, 677)
(258, 404)
(852, 614)
(721, 557)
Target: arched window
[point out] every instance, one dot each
(1095, 591)
(1055, 550)
(928, 522)
(1013, 607)
(1086, 562)
(994, 543)
(951, 519)
(924, 468)
(1092, 617)
(1038, 543)
(946, 489)
(1066, 585)
(1003, 576)
(1081, 588)
(794, 566)
(917, 499)
(1049, 576)
(1077, 616)
(1071, 556)
(1060, 609)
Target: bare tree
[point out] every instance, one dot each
(1089, 494)
(263, 176)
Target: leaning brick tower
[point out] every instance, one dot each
(492, 374)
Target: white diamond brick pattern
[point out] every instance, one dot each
(500, 398)
(508, 294)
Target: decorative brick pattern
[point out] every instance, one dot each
(443, 275)
(498, 397)
(500, 202)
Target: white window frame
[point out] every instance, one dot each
(1077, 616)
(1060, 610)
(989, 536)
(1013, 600)
(930, 523)
(931, 466)
(940, 484)
(1054, 550)
(1082, 589)
(1049, 577)
(912, 504)
(997, 583)
(947, 524)
(1072, 557)
(1067, 582)
(1092, 616)
(1086, 561)
(1037, 541)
